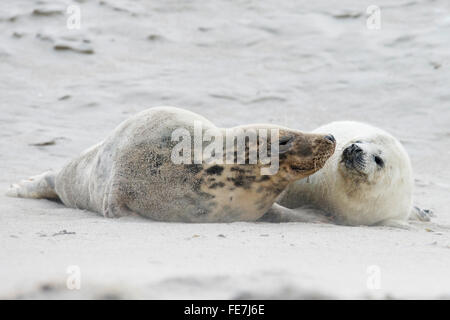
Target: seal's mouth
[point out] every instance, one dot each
(298, 168)
(318, 163)
(353, 158)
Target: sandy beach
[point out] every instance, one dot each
(297, 63)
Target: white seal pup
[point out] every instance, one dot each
(132, 172)
(367, 181)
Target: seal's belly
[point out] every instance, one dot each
(198, 208)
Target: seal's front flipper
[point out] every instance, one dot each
(421, 214)
(117, 211)
(279, 214)
(114, 204)
(37, 187)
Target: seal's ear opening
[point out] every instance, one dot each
(285, 143)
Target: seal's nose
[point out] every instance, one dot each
(331, 138)
(352, 151)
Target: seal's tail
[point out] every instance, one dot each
(38, 187)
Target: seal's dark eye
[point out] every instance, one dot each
(379, 161)
(284, 140)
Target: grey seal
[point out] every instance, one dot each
(131, 172)
(367, 181)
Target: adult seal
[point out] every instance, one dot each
(133, 171)
(367, 181)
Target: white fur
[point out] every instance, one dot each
(379, 195)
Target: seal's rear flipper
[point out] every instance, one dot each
(421, 214)
(38, 187)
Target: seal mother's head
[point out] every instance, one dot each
(246, 190)
(302, 154)
(296, 154)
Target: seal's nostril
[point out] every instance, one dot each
(330, 137)
(355, 148)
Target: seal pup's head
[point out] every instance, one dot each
(377, 159)
(369, 178)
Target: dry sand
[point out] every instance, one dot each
(296, 63)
